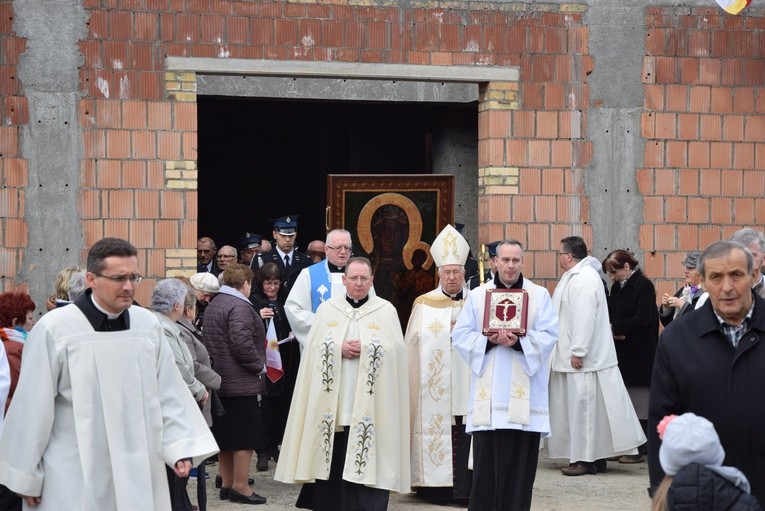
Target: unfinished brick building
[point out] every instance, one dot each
(639, 124)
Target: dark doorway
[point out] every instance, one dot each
(260, 159)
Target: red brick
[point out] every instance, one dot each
(743, 156)
(720, 210)
(581, 154)
(160, 117)
(688, 236)
(688, 182)
(698, 154)
(709, 180)
(167, 234)
(721, 100)
(689, 70)
(709, 71)
(665, 236)
(654, 96)
(539, 153)
(676, 209)
(743, 100)
(555, 96)
(134, 114)
(647, 125)
(677, 154)
(188, 27)
(544, 209)
(119, 204)
(664, 181)
(143, 145)
(755, 128)
(688, 126)
(666, 70)
(134, 174)
(698, 210)
(16, 233)
(699, 99)
(108, 173)
(98, 26)
(743, 209)
(120, 25)
(562, 153)
(645, 234)
(9, 141)
(675, 96)
(732, 184)
(16, 172)
(653, 208)
(117, 144)
(142, 236)
(552, 182)
(666, 125)
(754, 183)
(721, 155)
(523, 123)
(530, 181)
(146, 204)
(145, 25)
(711, 127)
(547, 125)
(733, 127)
(189, 146)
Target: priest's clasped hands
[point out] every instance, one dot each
(503, 338)
(351, 348)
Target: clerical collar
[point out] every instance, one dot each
(99, 319)
(518, 283)
(454, 297)
(335, 269)
(356, 303)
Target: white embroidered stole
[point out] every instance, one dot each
(519, 403)
(435, 395)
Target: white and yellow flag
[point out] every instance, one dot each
(274, 369)
(734, 6)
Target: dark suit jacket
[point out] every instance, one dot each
(698, 370)
(298, 261)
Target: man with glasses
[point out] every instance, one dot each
(317, 283)
(351, 396)
(226, 255)
(439, 379)
(100, 407)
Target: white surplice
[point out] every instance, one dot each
(439, 384)
(97, 415)
(591, 414)
(494, 370)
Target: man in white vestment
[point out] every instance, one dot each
(439, 379)
(591, 415)
(508, 410)
(347, 436)
(100, 407)
(318, 283)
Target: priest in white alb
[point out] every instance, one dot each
(347, 436)
(439, 379)
(591, 415)
(100, 406)
(508, 408)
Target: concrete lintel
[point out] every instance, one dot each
(352, 70)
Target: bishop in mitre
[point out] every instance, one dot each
(439, 379)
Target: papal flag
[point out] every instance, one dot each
(274, 369)
(734, 6)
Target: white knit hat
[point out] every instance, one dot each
(688, 439)
(449, 247)
(205, 282)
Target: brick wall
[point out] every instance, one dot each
(14, 174)
(704, 156)
(704, 126)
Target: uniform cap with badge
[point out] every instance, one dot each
(250, 240)
(285, 225)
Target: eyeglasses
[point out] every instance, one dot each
(121, 279)
(225, 256)
(340, 248)
(452, 273)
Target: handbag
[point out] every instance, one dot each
(216, 407)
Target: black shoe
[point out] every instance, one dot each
(601, 465)
(262, 464)
(250, 481)
(275, 455)
(218, 481)
(580, 468)
(224, 493)
(235, 496)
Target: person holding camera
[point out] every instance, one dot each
(268, 297)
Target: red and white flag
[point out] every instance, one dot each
(274, 369)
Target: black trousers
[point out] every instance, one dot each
(179, 498)
(9, 501)
(337, 494)
(504, 468)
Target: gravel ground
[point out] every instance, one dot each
(622, 488)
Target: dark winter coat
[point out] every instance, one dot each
(235, 337)
(297, 263)
(698, 488)
(633, 313)
(698, 370)
(289, 351)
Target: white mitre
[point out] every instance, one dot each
(449, 247)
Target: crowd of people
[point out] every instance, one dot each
(292, 357)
